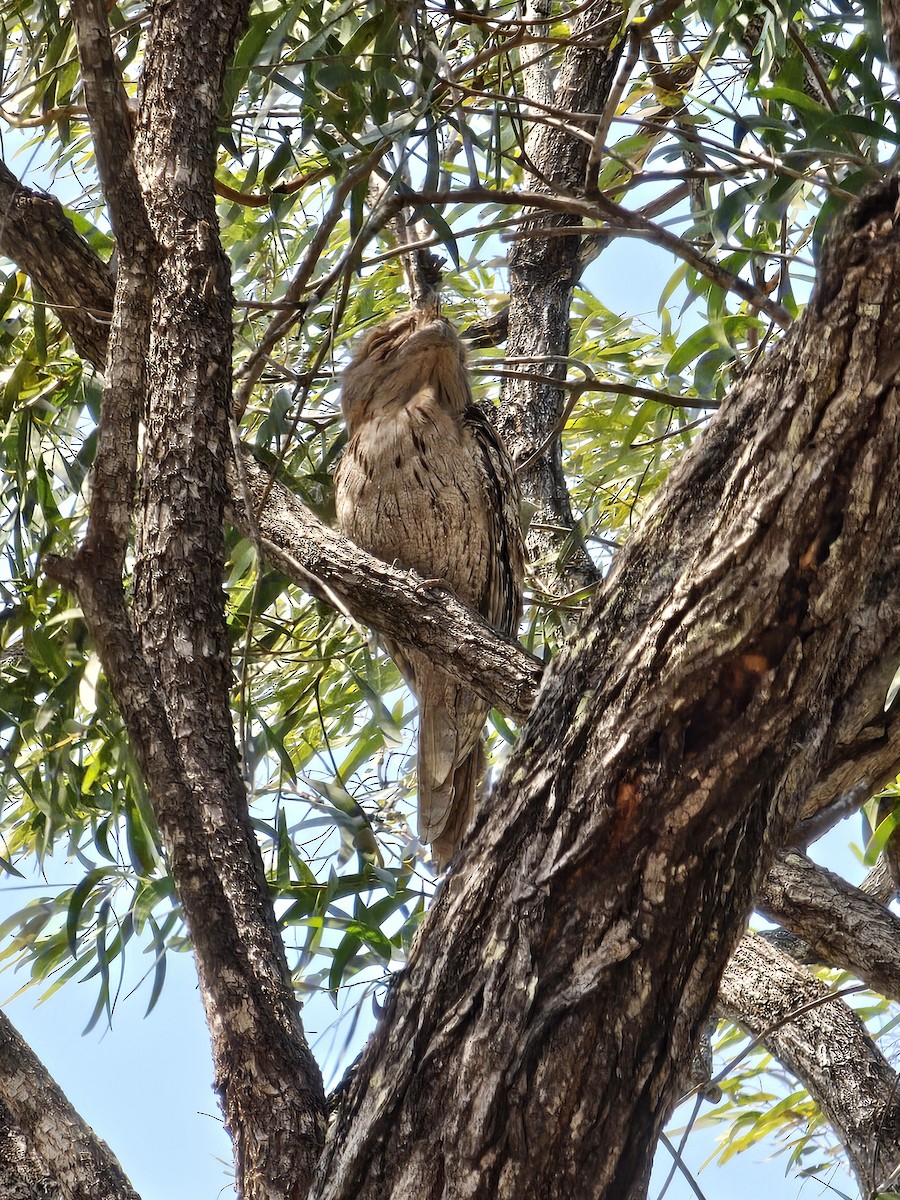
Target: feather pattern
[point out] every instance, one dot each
(426, 482)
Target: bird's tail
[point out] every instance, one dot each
(450, 760)
(463, 785)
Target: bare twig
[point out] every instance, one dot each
(251, 370)
(621, 221)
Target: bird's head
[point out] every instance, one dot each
(397, 359)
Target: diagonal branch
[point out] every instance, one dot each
(80, 1166)
(36, 234)
(825, 1046)
(397, 603)
(840, 923)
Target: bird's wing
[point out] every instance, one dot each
(501, 601)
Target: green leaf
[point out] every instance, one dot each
(80, 894)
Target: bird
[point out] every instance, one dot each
(426, 482)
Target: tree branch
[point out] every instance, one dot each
(543, 272)
(283, 322)
(840, 923)
(107, 106)
(37, 235)
(399, 604)
(826, 1047)
(80, 1165)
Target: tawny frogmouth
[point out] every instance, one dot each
(426, 482)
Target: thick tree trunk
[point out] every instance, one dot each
(258, 1045)
(169, 666)
(534, 1044)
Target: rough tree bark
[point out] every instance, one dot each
(31, 223)
(824, 1045)
(804, 899)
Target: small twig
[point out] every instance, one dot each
(251, 370)
(63, 113)
(670, 433)
(621, 221)
(629, 62)
(554, 433)
(318, 587)
(614, 387)
(426, 242)
(682, 1166)
(738, 153)
(678, 1162)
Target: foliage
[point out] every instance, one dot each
(744, 127)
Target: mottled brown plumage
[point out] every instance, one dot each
(426, 482)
